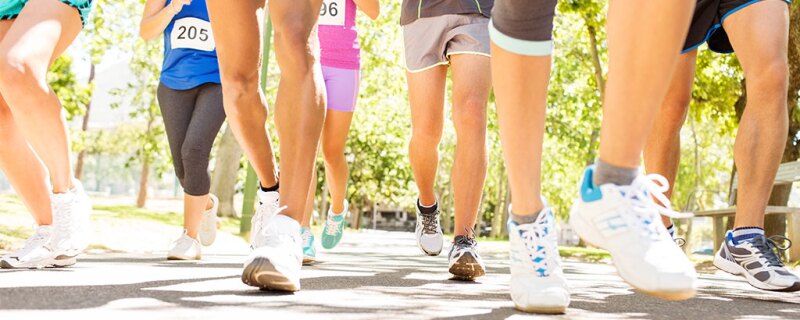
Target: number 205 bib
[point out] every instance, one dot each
(332, 13)
(192, 33)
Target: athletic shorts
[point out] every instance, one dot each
(430, 42)
(341, 86)
(707, 24)
(524, 27)
(10, 9)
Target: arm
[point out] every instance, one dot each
(157, 15)
(371, 8)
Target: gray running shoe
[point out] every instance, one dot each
(465, 263)
(758, 261)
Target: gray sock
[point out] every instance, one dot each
(606, 173)
(525, 219)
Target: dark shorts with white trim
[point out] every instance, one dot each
(707, 23)
(523, 27)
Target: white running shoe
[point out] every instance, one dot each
(71, 220)
(537, 279)
(208, 225)
(275, 265)
(185, 248)
(36, 253)
(625, 221)
(465, 262)
(268, 207)
(429, 232)
(757, 261)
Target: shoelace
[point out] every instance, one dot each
(770, 250)
(467, 241)
(641, 193)
(272, 237)
(332, 227)
(429, 223)
(533, 235)
(306, 238)
(680, 242)
(262, 216)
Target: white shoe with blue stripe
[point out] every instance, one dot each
(625, 221)
(537, 280)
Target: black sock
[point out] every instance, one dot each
(270, 189)
(428, 210)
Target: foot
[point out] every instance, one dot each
(309, 252)
(185, 248)
(465, 262)
(268, 207)
(429, 232)
(624, 221)
(334, 228)
(537, 279)
(36, 253)
(71, 219)
(208, 225)
(756, 260)
(276, 264)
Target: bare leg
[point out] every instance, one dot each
(640, 68)
(521, 97)
(760, 34)
(662, 152)
(300, 105)
(472, 82)
(426, 96)
(334, 140)
(309, 208)
(43, 30)
(238, 33)
(193, 208)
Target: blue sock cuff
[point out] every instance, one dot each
(671, 230)
(746, 233)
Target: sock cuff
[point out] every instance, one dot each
(746, 233)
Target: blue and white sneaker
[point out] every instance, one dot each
(334, 228)
(625, 221)
(309, 251)
(756, 260)
(537, 279)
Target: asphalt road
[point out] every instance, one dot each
(371, 275)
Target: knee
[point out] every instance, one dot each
(770, 82)
(194, 158)
(470, 117)
(292, 44)
(237, 86)
(428, 132)
(333, 154)
(13, 67)
(673, 112)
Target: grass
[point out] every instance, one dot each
(226, 224)
(585, 254)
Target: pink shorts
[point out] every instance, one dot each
(342, 88)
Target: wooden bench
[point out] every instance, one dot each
(788, 173)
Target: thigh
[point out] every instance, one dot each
(177, 107)
(41, 32)
(238, 30)
(759, 33)
(207, 118)
(472, 79)
(426, 96)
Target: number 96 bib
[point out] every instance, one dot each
(332, 13)
(192, 33)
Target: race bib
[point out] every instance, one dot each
(192, 33)
(332, 13)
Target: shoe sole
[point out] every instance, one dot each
(309, 261)
(735, 269)
(467, 268)
(577, 224)
(261, 273)
(57, 262)
(176, 258)
(543, 310)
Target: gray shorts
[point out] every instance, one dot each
(430, 42)
(523, 27)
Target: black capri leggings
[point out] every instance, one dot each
(192, 119)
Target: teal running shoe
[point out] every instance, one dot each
(309, 252)
(334, 228)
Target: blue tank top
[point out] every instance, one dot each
(190, 54)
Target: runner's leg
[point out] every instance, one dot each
(426, 97)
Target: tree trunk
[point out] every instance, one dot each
(506, 205)
(84, 127)
(601, 85)
(141, 199)
(497, 219)
(226, 169)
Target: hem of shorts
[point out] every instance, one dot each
(519, 46)
(349, 110)
(477, 53)
(719, 26)
(709, 33)
(443, 63)
(190, 87)
(347, 66)
(83, 22)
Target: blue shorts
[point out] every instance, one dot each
(10, 9)
(707, 24)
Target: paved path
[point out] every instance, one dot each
(371, 275)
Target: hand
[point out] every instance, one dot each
(177, 5)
